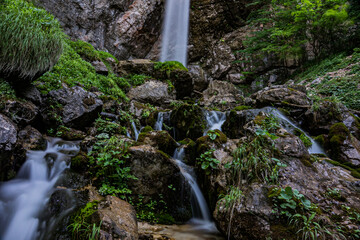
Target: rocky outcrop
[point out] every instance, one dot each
(21, 113)
(78, 108)
(223, 95)
(154, 92)
(127, 29)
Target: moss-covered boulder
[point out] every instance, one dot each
(158, 139)
(189, 121)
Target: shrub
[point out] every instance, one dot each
(31, 40)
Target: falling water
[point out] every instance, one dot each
(24, 198)
(175, 32)
(289, 125)
(159, 122)
(215, 120)
(201, 213)
(136, 131)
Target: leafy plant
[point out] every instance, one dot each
(234, 196)
(207, 161)
(31, 39)
(108, 161)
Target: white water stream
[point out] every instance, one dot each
(159, 122)
(23, 199)
(214, 120)
(175, 31)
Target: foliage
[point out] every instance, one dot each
(255, 159)
(298, 210)
(207, 161)
(108, 161)
(234, 196)
(213, 134)
(31, 40)
(73, 70)
(169, 66)
(136, 80)
(6, 90)
(80, 226)
(105, 126)
(305, 139)
(153, 211)
(289, 25)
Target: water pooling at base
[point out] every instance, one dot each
(24, 198)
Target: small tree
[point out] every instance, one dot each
(31, 40)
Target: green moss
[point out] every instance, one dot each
(73, 70)
(354, 172)
(242, 107)
(6, 90)
(306, 140)
(320, 139)
(31, 39)
(169, 66)
(337, 135)
(80, 162)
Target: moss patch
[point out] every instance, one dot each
(242, 107)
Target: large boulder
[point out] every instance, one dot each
(78, 108)
(157, 175)
(135, 66)
(222, 94)
(127, 29)
(282, 96)
(154, 92)
(160, 140)
(189, 121)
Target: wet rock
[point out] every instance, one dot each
(79, 107)
(281, 97)
(155, 172)
(31, 93)
(21, 113)
(222, 94)
(31, 139)
(189, 121)
(70, 134)
(160, 140)
(118, 219)
(127, 28)
(182, 82)
(290, 145)
(154, 92)
(8, 138)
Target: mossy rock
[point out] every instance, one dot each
(320, 139)
(207, 142)
(242, 107)
(79, 163)
(337, 135)
(189, 121)
(70, 134)
(306, 140)
(158, 139)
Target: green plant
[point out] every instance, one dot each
(136, 80)
(6, 90)
(31, 39)
(207, 161)
(105, 126)
(80, 225)
(108, 161)
(234, 196)
(213, 134)
(305, 139)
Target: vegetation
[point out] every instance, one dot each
(169, 66)
(6, 90)
(73, 70)
(207, 161)
(31, 40)
(108, 161)
(80, 225)
(291, 25)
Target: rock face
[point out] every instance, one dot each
(79, 107)
(156, 172)
(118, 219)
(8, 138)
(222, 94)
(127, 29)
(160, 140)
(154, 92)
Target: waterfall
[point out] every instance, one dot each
(214, 120)
(175, 31)
(201, 213)
(136, 132)
(159, 122)
(290, 126)
(23, 199)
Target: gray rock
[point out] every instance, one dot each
(100, 67)
(154, 92)
(199, 77)
(80, 108)
(135, 66)
(126, 28)
(8, 134)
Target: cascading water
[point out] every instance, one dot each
(290, 126)
(136, 131)
(159, 122)
(23, 199)
(215, 120)
(201, 213)
(175, 32)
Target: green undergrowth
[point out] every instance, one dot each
(73, 70)
(31, 39)
(169, 66)
(80, 223)
(338, 77)
(6, 90)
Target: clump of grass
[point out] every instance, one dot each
(31, 40)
